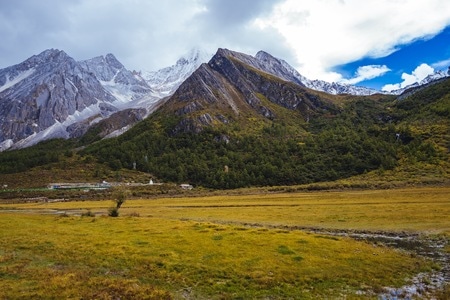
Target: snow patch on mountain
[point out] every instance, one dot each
(50, 95)
(43, 90)
(437, 75)
(95, 113)
(6, 144)
(166, 81)
(13, 80)
(285, 71)
(123, 84)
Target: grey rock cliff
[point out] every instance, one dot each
(233, 83)
(45, 89)
(116, 78)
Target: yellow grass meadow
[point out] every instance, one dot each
(216, 247)
(410, 209)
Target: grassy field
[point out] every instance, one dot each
(217, 247)
(413, 209)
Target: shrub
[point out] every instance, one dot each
(88, 213)
(113, 212)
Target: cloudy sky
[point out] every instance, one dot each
(375, 43)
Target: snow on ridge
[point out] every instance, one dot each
(6, 144)
(282, 69)
(79, 116)
(120, 92)
(166, 80)
(59, 129)
(437, 75)
(9, 83)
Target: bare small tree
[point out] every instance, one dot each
(119, 199)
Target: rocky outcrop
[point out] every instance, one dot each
(232, 83)
(119, 81)
(283, 70)
(93, 129)
(51, 95)
(43, 90)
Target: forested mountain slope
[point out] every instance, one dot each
(231, 124)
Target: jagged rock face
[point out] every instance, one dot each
(204, 89)
(283, 70)
(116, 122)
(116, 78)
(233, 82)
(104, 68)
(44, 89)
(276, 88)
(279, 68)
(50, 95)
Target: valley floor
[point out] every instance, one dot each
(338, 244)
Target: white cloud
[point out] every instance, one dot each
(141, 33)
(366, 73)
(442, 65)
(328, 33)
(417, 75)
(313, 36)
(391, 87)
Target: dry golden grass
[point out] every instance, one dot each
(198, 248)
(414, 209)
(73, 257)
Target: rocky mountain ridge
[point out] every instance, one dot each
(430, 79)
(282, 69)
(120, 82)
(233, 85)
(47, 90)
(51, 95)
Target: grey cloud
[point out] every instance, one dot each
(227, 23)
(25, 26)
(142, 34)
(236, 12)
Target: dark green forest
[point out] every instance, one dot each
(367, 133)
(44, 153)
(359, 139)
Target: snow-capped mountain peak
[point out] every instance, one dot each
(282, 69)
(113, 62)
(123, 84)
(434, 77)
(165, 81)
(50, 95)
(103, 67)
(44, 90)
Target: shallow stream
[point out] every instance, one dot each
(422, 286)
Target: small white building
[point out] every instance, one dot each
(186, 186)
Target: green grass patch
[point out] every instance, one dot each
(285, 250)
